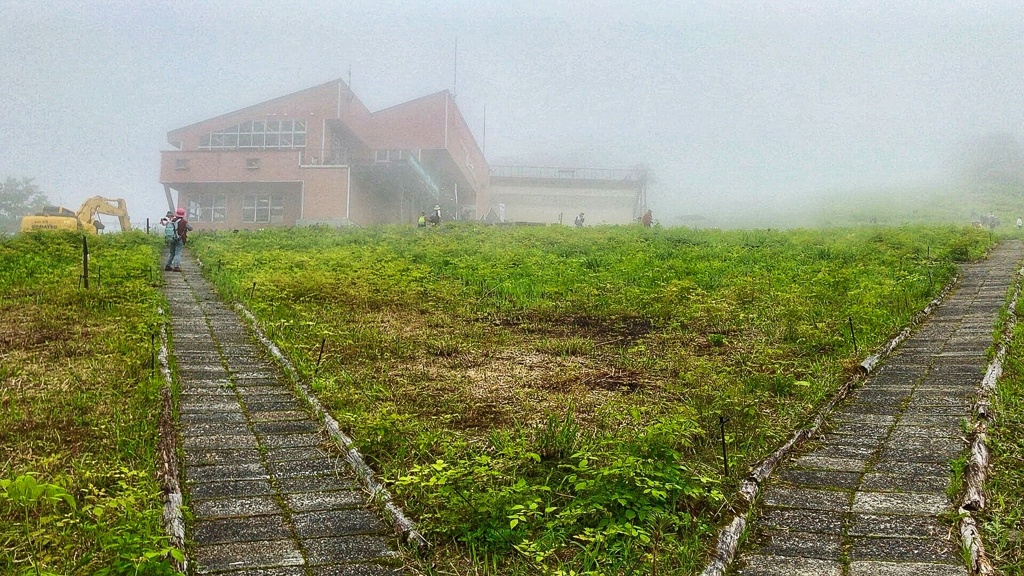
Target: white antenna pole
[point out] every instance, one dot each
(484, 138)
(455, 75)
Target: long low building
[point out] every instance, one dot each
(557, 195)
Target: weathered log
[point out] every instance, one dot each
(167, 461)
(402, 525)
(728, 541)
(977, 470)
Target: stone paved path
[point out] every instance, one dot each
(866, 499)
(268, 494)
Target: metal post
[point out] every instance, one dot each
(319, 357)
(85, 261)
(253, 291)
(725, 456)
(853, 336)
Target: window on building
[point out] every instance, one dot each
(389, 155)
(266, 208)
(275, 134)
(211, 208)
(181, 163)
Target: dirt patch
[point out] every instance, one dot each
(600, 329)
(404, 325)
(22, 331)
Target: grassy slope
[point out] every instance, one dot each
(78, 407)
(548, 398)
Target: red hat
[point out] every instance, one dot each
(180, 212)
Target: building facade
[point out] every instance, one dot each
(319, 156)
(533, 195)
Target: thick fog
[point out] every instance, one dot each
(734, 107)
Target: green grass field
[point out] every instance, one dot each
(542, 400)
(78, 407)
(548, 400)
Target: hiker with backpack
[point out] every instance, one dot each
(175, 234)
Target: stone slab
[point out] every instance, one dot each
(361, 569)
(928, 550)
(821, 521)
(820, 478)
(252, 529)
(910, 469)
(212, 417)
(347, 549)
(897, 526)
(298, 453)
(219, 441)
(219, 473)
(808, 498)
(839, 464)
(857, 430)
(938, 453)
(760, 565)
(248, 556)
(297, 484)
(308, 467)
(332, 500)
(267, 384)
(884, 482)
(291, 440)
(211, 457)
(858, 417)
(833, 450)
(913, 503)
(336, 523)
(233, 507)
(230, 489)
(193, 404)
(802, 544)
(275, 415)
(257, 404)
(285, 427)
(230, 426)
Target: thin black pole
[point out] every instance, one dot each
(853, 336)
(319, 357)
(85, 261)
(725, 455)
(253, 291)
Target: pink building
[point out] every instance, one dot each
(319, 156)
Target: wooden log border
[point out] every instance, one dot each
(729, 537)
(402, 525)
(973, 500)
(167, 459)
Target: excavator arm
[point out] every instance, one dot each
(99, 205)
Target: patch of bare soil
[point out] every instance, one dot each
(624, 329)
(21, 331)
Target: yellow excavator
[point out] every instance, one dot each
(86, 219)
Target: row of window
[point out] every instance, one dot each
(256, 208)
(258, 134)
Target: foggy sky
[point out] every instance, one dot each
(730, 104)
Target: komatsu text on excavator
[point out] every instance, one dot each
(86, 219)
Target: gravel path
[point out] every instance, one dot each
(268, 492)
(868, 498)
